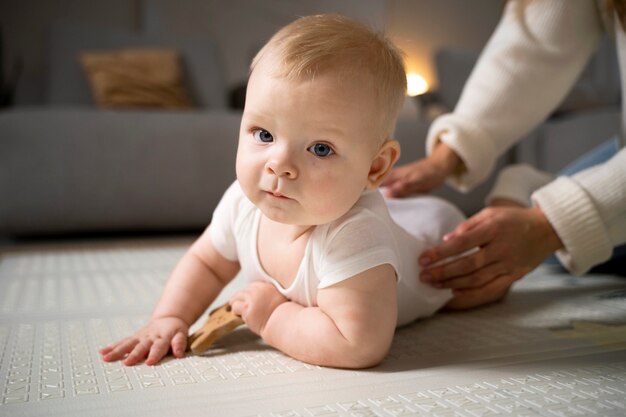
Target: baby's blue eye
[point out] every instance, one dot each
(263, 136)
(321, 149)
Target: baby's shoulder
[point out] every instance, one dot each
(361, 225)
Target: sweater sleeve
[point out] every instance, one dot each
(517, 183)
(535, 55)
(588, 212)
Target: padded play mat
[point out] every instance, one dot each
(556, 346)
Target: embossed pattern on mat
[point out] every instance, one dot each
(528, 355)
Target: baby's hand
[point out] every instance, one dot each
(152, 342)
(256, 303)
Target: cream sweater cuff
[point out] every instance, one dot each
(469, 143)
(576, 221)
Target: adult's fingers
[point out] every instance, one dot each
(390, 178)
(455, 246)
(473, 222)
(397, 187)
(491, 292)
(395, 190)
(477, 279)
(403, 181)
(473, 232)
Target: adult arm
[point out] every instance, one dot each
(588, 212)
(535, 55)
(582, 218)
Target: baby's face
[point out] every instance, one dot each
(306, 146)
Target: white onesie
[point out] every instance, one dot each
(363, 238)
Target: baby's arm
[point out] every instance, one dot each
(194, 283)
(352, 326)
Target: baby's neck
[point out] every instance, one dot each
(280, 248)
(293, 233)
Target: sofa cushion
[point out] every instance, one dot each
(84, 170)
(136, 78)
(67, 84)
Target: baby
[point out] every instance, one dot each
(330, 273)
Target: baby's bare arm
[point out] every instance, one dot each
(195, 282)
(352, 327)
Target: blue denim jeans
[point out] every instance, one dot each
(597, 155)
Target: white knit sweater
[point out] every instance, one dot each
(532, 60)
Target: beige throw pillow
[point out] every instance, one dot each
(136, 78)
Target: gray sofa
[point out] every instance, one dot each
(68, 170)
(69, 167)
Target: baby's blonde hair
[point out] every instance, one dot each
(317, 43)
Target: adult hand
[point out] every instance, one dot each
(492, 249)
(256, 303)
(423, 175)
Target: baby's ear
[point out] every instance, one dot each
(382, 163)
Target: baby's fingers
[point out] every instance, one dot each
(238, 302)
(139, 352)
(118, 350)
(105, 350)
(179, 344)
(157, 351)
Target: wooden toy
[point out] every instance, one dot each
(220, 322)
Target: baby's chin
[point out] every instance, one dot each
(292, 219)
(281, 215)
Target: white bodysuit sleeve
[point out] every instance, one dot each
(222, 230)
(354, 246)
(535, 55)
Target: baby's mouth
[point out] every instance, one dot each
(276, 194)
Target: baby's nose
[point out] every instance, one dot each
(281, 164)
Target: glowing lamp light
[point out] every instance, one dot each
(416, 85)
